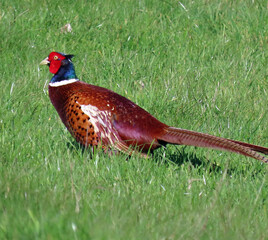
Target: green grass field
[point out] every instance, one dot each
(199, 65)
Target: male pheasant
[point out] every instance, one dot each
(96, 116)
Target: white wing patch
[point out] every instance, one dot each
(101, 121)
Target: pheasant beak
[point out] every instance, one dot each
(45, 62)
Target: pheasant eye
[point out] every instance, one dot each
(56, 57)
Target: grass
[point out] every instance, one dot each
(200, 65)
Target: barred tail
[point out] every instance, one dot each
(186, 137)
(253, 147)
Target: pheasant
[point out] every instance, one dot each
(98, 117)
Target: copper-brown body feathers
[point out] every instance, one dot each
(96, 116)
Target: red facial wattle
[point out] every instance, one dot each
(55, 62)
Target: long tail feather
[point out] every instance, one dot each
(186, 137)
(253, 147)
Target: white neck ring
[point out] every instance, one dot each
(63, 82)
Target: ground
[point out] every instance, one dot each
(199, 65)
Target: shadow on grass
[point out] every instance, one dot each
(178, 156)
(181, 156)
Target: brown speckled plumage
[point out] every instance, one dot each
(96, 116)
(111, 122)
